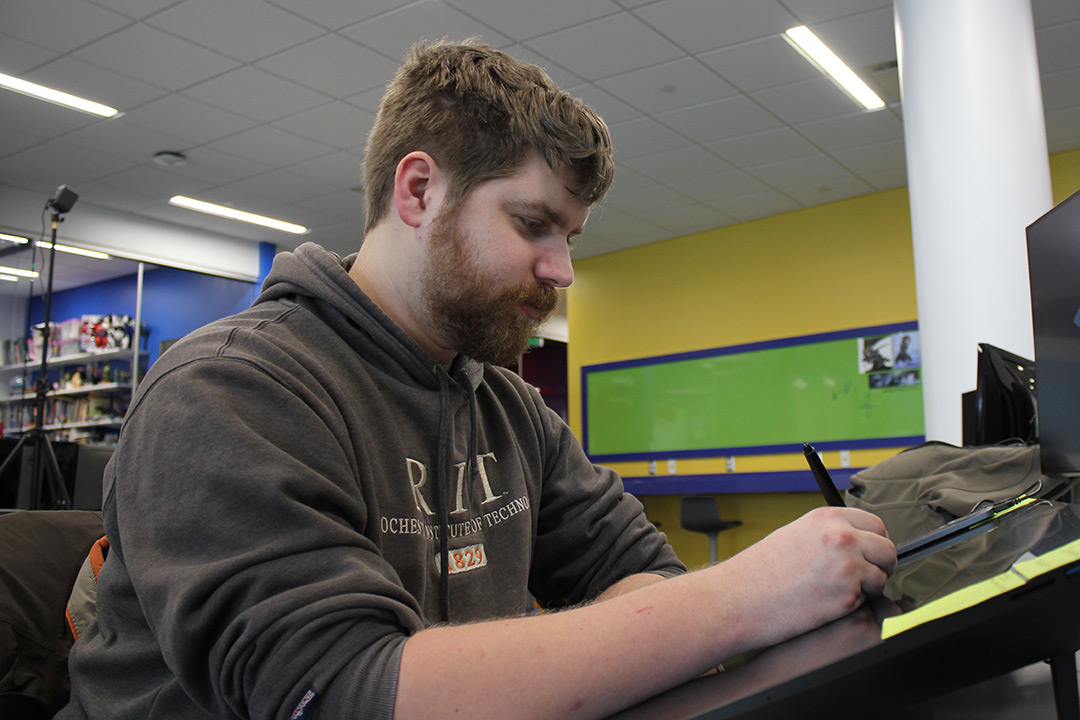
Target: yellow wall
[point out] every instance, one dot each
(833, 267)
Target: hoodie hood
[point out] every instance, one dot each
(320, 280)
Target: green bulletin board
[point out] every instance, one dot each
(764, 397)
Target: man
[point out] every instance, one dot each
(329, 505)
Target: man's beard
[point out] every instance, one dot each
(477, 319)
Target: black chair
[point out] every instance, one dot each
(701, 514)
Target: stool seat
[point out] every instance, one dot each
(700, 513)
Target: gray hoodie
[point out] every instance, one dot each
(298, 488)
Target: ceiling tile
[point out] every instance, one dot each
(155, 183)
(56, 163)
(764, 147)
(688, 162)
(523, 20)
(393, 33)
(337, 14)
(816, 11)
(656, 197)
(718, 120)
(136, 9)
(862, 40)
(560, 75)
(104, 193)
(716, 24)
(861, 128)
(1063, 129)
(209, 165)
(587, 247)
(606, 47)
(340, 170)
(256, 94)
(94, 83)
(819, 193)
(332, 65)
(800, 172)
(12, 140)
(1061, 90)
(806, 101)
(176, 63)
(759, 64)
(668, 86)
(243, 29)
(17, 56)
(343, 205)
(753, 207)
(611, 108)
(1057, 47)
(687, 220)
(872, 160)
(57, 24)
(337, 124)
(266, 141)
(619, 227)
(627, 179)
(187, 119)
(368, 100)
(40, 119)
(1048, 12)
(714, 188)
(643, 136)
(280, 185)
(124, 140)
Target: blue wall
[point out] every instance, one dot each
(175, 302)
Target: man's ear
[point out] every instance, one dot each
(415, 182)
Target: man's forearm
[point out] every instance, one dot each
(594, 660)
(587, 662)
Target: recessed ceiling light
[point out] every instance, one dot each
(73, 250)
(19, 272)
(819, 55)
(232, 214)
(57, 97)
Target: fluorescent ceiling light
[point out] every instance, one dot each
(9, 278)
(17, 239)
(226, 212)
(17, 271)
(825, 59)
(73, 250)
(55, 96)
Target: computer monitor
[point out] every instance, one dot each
(1004, 403)
(1054, 263)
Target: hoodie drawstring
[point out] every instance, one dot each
(444, 494)
(471, 471)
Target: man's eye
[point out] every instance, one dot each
(532, 225)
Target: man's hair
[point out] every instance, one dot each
(479, 112)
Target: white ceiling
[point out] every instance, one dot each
(715, 119)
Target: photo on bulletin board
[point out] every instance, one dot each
(906, 350)
(875, 354)
(897, 378)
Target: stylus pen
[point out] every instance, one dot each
(828, 487)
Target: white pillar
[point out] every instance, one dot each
(978, 175)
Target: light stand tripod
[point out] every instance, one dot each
(44, 459)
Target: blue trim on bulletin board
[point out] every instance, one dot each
(905, 441)
(844, 444)
(720, 483)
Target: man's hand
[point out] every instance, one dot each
(816, 569)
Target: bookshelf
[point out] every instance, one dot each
(90, 396)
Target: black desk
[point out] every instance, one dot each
(845, 669)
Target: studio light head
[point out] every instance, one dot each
(62, 200)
